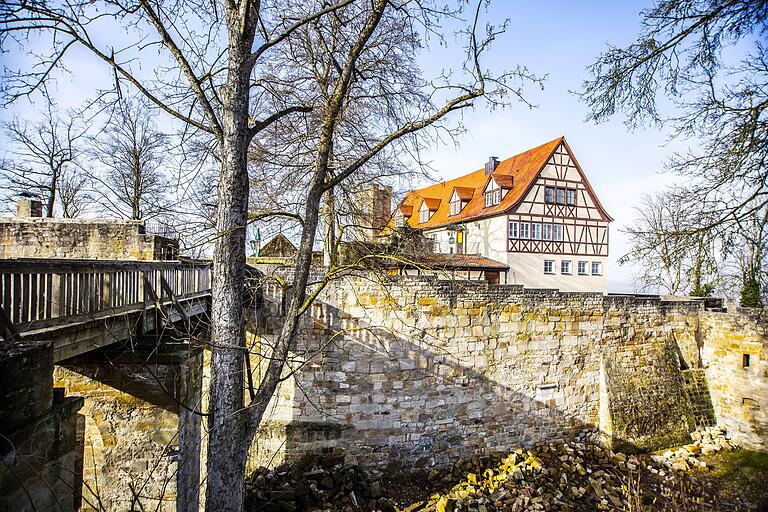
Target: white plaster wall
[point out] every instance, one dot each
(528, 269)
(487, 237)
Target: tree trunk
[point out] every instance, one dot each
(329, 221)
(52, 196)
(227, 453)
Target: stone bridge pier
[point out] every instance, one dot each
(114, 429)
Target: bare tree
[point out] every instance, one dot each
(75, 194)
(720, 103)
(128, 156)
(671, 258)
(228, 81)
(39, 155)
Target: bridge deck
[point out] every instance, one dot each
(82, 305)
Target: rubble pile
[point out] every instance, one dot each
(328, 482)
(706, 441)
(568, 476)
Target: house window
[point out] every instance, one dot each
(549, 194)
(488, 199)
(399, 221)
(596, 268)
(565, 267)
(557, 232)
(546, 231)
(582, 268)
(423, 216)
(524, 230)
(548, 266)
(570, 196)
(497, 196)
(455, 207)
(513, 230)
(560, 195)
(745, 361)
(535, 231)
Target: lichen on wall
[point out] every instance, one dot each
(739, 388)
(82, 239)
(419, 371)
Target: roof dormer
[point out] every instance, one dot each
(460, 197)
(428, 208)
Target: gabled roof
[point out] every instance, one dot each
(432, 203)
(503, 180)
(406, 209)
(522, 169)
(279, 246)
(464, 193)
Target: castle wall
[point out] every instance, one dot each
(421, 372)
(82, 239)
(739, 393)
(134, 432)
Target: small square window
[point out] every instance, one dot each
(513, 230)
(524, 230)
(570, 196)
(565, 267)
(548, 266)
(557, 232)
(596, 268)
(582, 268)
(745, 361)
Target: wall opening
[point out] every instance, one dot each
(745, 361)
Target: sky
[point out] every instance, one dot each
(560, 39)
(554, 38)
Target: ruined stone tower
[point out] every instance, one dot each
(372, 211)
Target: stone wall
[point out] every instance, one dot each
(38, 433)
(82, 239)
(739, 392)
(420, 371)
(133, 438)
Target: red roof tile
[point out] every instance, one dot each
(520, 169)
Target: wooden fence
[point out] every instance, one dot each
(40, 293)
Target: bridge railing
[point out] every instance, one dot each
(38, 293)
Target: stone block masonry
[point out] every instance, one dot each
(417, 371)
(735, 358)
(133, 432)
(82, 239)
(38, 433)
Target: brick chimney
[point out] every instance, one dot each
(28, 206)
(491, 165)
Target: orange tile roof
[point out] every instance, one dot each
(522, 169)
(464, 193)
(406, 209)
(432, 203)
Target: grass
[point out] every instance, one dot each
(740, 474)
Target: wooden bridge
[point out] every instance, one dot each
(83, 305)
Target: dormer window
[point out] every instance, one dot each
(399, 220)
(459, 199)
(492, 194)
(428, 208)
(455, 207)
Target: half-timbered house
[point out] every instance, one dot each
(535, 212)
